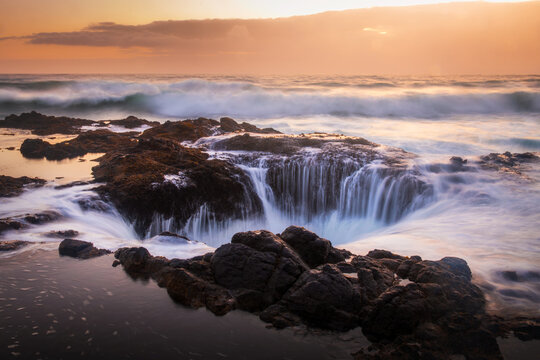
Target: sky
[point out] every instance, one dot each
(269, 36)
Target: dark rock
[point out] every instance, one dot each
(135, 183)
(10, 186)
(512, 163)
(62, 234)
(11, 245)
(130, 122)
(321, 297)
(80, 249)
(43, 217)
(41, 124)
(258, 261)
(88, 142)
(190, 290)
(11, 224)
(313, 249)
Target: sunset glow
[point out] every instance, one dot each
(132, 37)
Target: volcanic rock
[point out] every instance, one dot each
(10, 186)
(11, 245)
(41, 124)
(80, 249)
(88, 142)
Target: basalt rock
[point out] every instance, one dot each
(259, 266)
(192, 130)
(11, 245)
(408, 307)
(160, 176)
(314, 250)
(10, 186)
(97, 141)
(80, 249)
(511, 163)
(41, 124)
(131, 122)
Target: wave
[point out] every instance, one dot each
(199, 97)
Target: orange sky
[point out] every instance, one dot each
(136, 37)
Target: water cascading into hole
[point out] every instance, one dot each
(340, 199)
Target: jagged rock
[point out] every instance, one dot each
(11, 245)
(41, 124)
(321, 297)
(10, 186)
(439, 313)
(42, 217)
(512, 163)
(130, 122)
(160, 176)
(97, 141)
(314, 250)
(80, 249)
(63, 234)
(260, 262)
(192, 130)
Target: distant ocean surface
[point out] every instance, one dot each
(490, 219)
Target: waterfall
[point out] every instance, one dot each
(332, 195)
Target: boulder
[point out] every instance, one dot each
(260, 262)
(314, 250)
(80, 249)
(41, 124)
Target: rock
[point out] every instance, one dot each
(10, 186)
(11, 245)
(313, 249)
(62, 234)
(11, 224)
(97, 141)
(321, 297)
(159, 176)
(438, 314)
(80, 249)
(130, 122)
(192, 130)
(258, 261)
(42, 217)
(190, 290)
(41, 124)
(512, 163)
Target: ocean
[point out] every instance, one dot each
(490, 219)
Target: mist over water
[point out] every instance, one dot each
(490, 219)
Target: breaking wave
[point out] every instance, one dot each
(181, 98)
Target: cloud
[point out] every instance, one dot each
(157, 34)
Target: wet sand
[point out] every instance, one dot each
(54, 307)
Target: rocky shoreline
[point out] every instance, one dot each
(409, 308)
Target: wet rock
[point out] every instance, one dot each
(11, 245)
(11, 224)
(258, 261)
(80, 249)
(10, 186)
(42, 217)
(41, 124)
(131, 122)
(321, 297)
(190, 290)
(436, 314)
(192, 130)
(512, 163)
(159, 176)
(62, 234)
(314, 250)
(97, 141)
